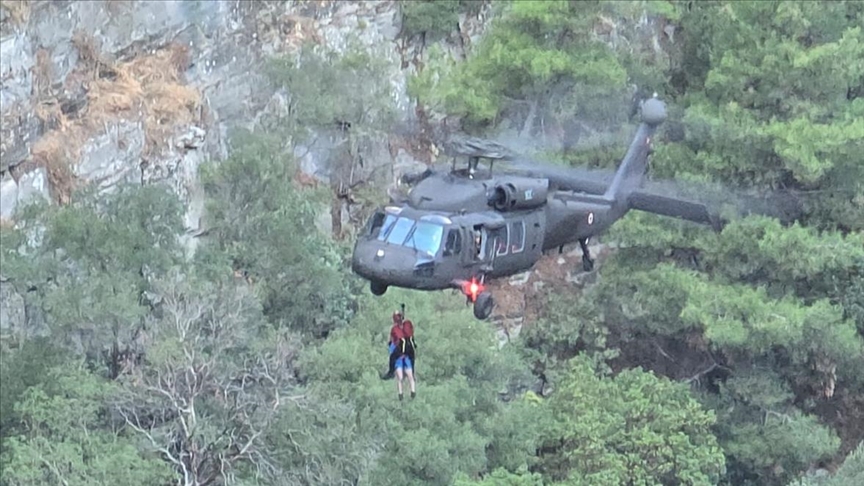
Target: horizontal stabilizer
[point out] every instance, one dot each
(676, 208)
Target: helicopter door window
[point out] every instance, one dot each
(517, 237)
(500, 239)
(454, 243)
(479, 242)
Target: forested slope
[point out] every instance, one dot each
(697, 358)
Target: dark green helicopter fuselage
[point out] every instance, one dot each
(461, 228)
(448, 233)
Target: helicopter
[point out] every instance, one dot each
(459, 230)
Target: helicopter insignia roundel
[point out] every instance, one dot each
(590, 218)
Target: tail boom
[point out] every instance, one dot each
(632, 170)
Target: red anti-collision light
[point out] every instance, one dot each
(472, 289)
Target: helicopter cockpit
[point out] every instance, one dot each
(424, 234)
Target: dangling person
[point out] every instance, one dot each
(402, 353)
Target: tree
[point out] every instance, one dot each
(209, 381)
(86, 265)
(429, 19)
(766, 438)
(69, 439)
(266, 229)
(338, 105)
(502, 477)
(785, 112)
(457, 422)
(631, 428)
(537, 59)
(850, 473)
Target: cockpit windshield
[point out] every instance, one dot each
(426, 237)
(423, 236)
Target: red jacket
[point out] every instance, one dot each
(397, 333)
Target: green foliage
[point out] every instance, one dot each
(779, 101)
(433, 19)
(88, 263)
(257, 362)
(502, 477)
(267, 230)
(851, 472)
(68, 440)
(766, 438)
(320, 442)
(530, 50)
(456, 419)
(325, 88)
(215, 377)
(634, 428)
(737, 318)
(21, 369)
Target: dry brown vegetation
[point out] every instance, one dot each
(18, 10)
(149, 88)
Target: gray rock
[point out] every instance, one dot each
(19, 127)
(13, 316)
(16, 70)
(33, 185)
(520, 279)
(8, 196)
(581, 278)
(114, 156)
(406, 164)
(51, 27)
(191, 139)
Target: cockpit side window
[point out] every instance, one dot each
(386, 226)
(453, 246)
(376, 222)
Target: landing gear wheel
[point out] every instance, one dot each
(377, 288)
(483, 305)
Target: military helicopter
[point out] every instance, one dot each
(460, 229)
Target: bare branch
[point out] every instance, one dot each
(201, 337)
(54, 469)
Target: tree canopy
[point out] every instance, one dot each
(695, 358)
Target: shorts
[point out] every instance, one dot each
(403, 362)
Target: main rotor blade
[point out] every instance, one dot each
(696, 201)
(462, 145)
(716, 198)
(578, 179)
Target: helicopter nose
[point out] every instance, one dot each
(384, 263)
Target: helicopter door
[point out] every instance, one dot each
(453, 243)
(486, 244)
(478, 244)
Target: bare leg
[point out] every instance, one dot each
(410, 374)
(399, 377)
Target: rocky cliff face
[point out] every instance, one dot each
(109, 92)
(121, 91)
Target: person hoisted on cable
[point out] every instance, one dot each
(402, 352)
